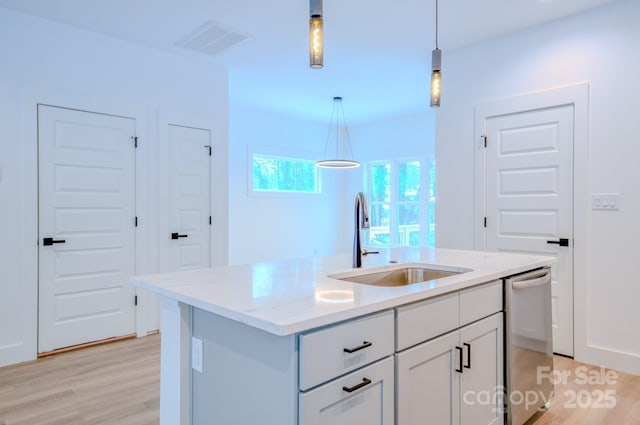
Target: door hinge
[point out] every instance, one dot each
(485, 222)
(210, 220)
(135, 300)
(135, 141)
(484, 138)
(136, 221)
(208, 146)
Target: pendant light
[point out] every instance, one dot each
(316, 35)
(336, 113)
(436, 68)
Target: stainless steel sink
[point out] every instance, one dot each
(400, 276)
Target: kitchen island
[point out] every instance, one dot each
(252, 344)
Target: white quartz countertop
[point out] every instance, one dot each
(287, 297)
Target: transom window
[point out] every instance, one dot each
(401, 196)
(281, 173)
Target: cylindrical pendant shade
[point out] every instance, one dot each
(435, 88)
(436, 74)
(316, 42)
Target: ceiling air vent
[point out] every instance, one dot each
(211, 38)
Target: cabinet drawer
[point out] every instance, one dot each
(339, 349)
(479, 302)
(365, 396)
(424, 320)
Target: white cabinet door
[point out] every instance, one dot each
(454, 379)
(481, 383)
(428, 384)
(364, 397)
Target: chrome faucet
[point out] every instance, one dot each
(361, 222)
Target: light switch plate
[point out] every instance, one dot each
(605, 201)
(196, 354)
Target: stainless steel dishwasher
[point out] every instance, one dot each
(528, 344)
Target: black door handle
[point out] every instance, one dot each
(468, 365)
(176, 236)
(460, 364)
(51, 241)
(561, 242)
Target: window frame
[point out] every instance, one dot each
(283, 153)
(425, 203)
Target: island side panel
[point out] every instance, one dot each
(248, 376)
(175, 349)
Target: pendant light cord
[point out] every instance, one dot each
(436, 24)
(326, 144)
(346, 130)
(337, 111)
(337, 162)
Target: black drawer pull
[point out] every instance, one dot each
(459, 350)
(51, 241)
(364, 383)
(365, 344)
(561, 242)
(176, 236)
(468, 365)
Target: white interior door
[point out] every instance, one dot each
(189, 197)
(86, 227)
(529, 199)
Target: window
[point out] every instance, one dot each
(401, 197)
(274, 171)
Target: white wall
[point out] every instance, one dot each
(396, 137)
(274, 227)
(46, 60)
(598, 47)
(263, 228)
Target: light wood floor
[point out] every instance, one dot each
(118, 383)
(591, 407)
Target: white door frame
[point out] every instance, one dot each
(32, 96)
(578, 96)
